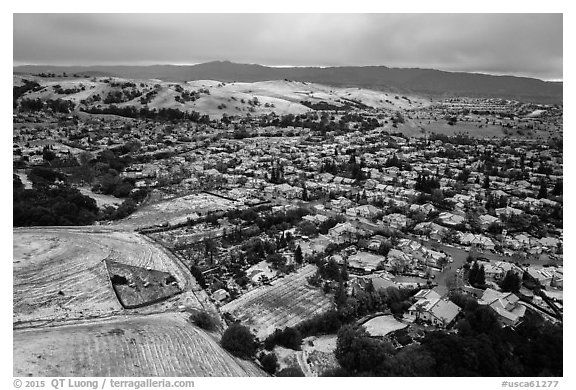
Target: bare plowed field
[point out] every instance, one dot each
(155, 345)
(287, 302)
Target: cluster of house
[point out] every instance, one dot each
(293, 168)
(430, 307)
(503, 112)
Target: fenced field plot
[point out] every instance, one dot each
(286, 302)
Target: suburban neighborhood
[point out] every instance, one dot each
(180, 218)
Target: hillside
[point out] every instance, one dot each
(159, 345)
(428, 82)
(68, 321)
(210, 97)
(59, 273)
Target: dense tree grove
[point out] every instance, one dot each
(19, 90)
(163, 114)
(288, 338)
(427, 184)
(50, 204)
(52, 198)
(56, 105)
(324, 323)
(357, 351)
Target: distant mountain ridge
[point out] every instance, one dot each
(428, 82)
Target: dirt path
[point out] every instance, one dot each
(301, 357)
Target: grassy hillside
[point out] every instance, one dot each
(164, 345)
(400, 80)
(209, 97)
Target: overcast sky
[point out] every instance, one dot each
(517, 44)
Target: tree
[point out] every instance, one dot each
(123, 190)
(304, 193)
(288, 338)
(276, 260)
(413, 360)
(384, 248)
(543, 191)
(47, 154)
(442, 262)
(198, 275)
(49, 206)
(557, 191)
(358, 352)
(450, 237)
(476, 276)
(437, 196)
(209, 248)
(238, 340)
(398, 117)
(308, 228)
(511, 282)
(269, 362)
(298, 257)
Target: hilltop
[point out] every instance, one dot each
(428, 82)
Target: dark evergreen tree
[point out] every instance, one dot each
(511, 282)
(557, 191)
(298, 257)
(543, 192)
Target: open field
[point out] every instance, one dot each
(177, 210)
(25, 181)
(421, 128)
(320, 357)
(101, 199)
(155, 345)
(287, 302)
(315, 357)
(382, 325)
(59, 273)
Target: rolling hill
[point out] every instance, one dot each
(68, 321)
(210, 97)
(427, 82)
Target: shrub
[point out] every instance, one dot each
(203, 320)
(290, 372)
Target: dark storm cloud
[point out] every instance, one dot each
(520, 44)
